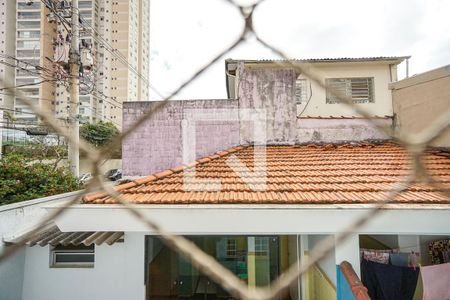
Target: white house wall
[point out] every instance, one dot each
(118, 274)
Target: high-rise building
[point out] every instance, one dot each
(114, 50)
(28, 54)
(130, 36)
(7, 49)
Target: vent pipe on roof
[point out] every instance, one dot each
(407, 67)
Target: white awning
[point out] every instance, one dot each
(54, 237)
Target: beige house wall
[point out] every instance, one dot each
(420, 100)
(384, 72)
(318, 107)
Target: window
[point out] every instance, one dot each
(72, 256)
(231, 248)
(29, 15)
(261, 246)
(28, 34)
(300, 91)
(28, 44)
(360, 89)
(28, 5)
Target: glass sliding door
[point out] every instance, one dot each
(253, 259)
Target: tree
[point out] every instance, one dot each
(51, 149)
(23, 178)
(100, 133)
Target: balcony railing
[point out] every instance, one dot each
(349, 286)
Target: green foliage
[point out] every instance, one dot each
(37, 150)
(24, 179)
(99, 134)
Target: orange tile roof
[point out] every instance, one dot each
(300, 174)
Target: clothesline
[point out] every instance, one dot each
(413, 246)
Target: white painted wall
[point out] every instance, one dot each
(328, 263)
(348, 250)
(14, 219)
(253, 219)
(382, 105)
(11, 276)
(21, 216)
(118, 274)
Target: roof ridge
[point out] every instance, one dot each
(162, 174)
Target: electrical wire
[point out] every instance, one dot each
(307, 103)
(26, 85)
(115, 52)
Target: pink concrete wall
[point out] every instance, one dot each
(157, 145)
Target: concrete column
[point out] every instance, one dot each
(251, 262)
(349, 251)
(303, 244)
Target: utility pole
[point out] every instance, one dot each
(74, 62)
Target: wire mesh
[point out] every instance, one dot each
(415, 145)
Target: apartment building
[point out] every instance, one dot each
(114, 45)
(28, 51)
(130, 36)
(7, 46)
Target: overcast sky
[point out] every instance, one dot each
(184, 35)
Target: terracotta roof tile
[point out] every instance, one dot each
(295, 174)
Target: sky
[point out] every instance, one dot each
(186, 35)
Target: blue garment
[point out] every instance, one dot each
(399, 259)
(388, 282)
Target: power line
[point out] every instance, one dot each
(13, 110)
(118, 55)
(27, 84)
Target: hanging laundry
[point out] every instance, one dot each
(436, 282)
(388, 282)
(446, 256)
(439, 251)
(380, 256)
(404, 259)
(399, 259)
